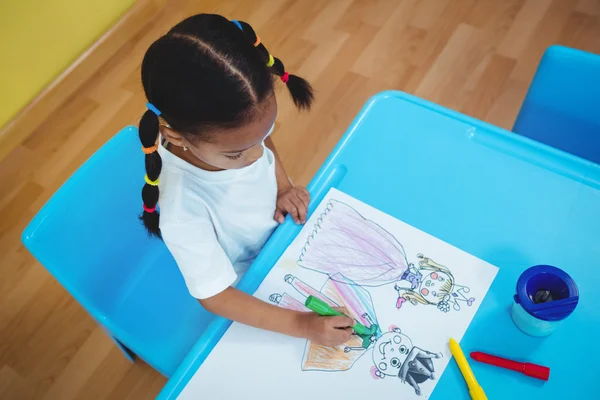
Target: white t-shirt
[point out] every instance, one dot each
(216, 223)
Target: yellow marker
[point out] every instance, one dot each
(475, 390)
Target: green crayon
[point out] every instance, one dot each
(320, 307)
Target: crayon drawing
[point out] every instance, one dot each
(382, 271)
(436, 288)
(345, 244)
(393, 353)
(335, 293)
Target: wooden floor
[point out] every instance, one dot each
(475, 56)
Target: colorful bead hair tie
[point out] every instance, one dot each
(152, 108)
(257, 41)
(285, 77)
(148, 209)
(150, 150)
(150, 182)
(238, 24)
(271, 61)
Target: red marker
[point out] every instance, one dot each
(529, 369)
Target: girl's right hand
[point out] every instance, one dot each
(327, 331)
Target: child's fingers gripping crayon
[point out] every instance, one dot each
(322, 308)
(344, 311)
(327, 330)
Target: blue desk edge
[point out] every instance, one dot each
(329, 175)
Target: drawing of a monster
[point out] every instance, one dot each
(394, 355)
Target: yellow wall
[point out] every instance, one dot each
(40, 38)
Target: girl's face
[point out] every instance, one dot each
(231, 148)
(432, 285)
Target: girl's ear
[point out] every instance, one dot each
(172, 136)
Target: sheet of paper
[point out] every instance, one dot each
(417, 289)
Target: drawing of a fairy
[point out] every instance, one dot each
(346, 244)
(393, 353)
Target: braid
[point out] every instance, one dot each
(148, 131)
(300, 90)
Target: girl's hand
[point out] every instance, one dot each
(327, 331)
(292, 200)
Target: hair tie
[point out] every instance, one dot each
(285, 77)
(148, 209)
(150, 182)
(257, 41)
(238, 24)
(150, 150)
(271, 61)
(153, 109)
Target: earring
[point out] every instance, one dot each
(184, 148)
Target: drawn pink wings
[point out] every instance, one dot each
(339, 292)
(355, 298)
(345, 242)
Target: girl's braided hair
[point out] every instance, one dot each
(206, 73)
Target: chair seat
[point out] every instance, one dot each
(89, 238)
(552, 126)
(562, 103)
(159, 319)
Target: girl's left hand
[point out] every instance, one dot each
(294, 201)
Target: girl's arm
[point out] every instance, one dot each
(290, 199)
(241, 307)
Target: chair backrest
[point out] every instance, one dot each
(562, 106)
(88, 235)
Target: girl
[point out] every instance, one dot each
(211, 109)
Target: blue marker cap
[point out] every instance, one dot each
(547, 293)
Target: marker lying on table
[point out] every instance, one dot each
(320, 307)
(529, 369)
(475, 390)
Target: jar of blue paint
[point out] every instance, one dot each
(545, 296)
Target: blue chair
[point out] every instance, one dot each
(562, 106)
(89, 237)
